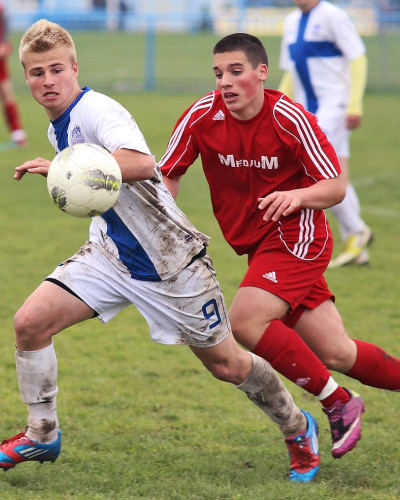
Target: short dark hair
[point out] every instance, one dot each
(249, 44)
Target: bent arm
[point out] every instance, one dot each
(36, 166)
(323, 194)
(135, 166)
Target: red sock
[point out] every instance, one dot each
(339, 393)
(375, 367)
(12, 116)
(289, 355)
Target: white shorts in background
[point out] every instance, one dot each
(333, 122)
(188, 308)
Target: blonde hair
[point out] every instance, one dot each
(45, 35)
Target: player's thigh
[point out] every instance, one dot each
(50, 308)
(188, 308)
(96, 279)
(275, 281)
(251, 312)
(323, 331)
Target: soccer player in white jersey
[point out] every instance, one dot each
(143, 251)
(325, 67)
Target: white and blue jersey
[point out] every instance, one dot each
(317, 47)
(145, 234)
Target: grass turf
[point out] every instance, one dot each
(143, 421)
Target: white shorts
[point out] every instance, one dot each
(188, 308)
(333, 122)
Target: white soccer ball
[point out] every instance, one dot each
(84, 180)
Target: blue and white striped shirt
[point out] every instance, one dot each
(317, 47)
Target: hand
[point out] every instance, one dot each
(280, 203)
(353, 121)
(36, 166)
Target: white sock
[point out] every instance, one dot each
(265, 389)
(329, 389)
(37, 380)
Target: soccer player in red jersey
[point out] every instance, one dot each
(271, 173)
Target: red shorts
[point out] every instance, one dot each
(299, 282)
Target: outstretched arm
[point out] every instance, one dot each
(135, 166)
(36, 166)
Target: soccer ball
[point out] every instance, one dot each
(84, 180)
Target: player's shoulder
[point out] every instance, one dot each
(330, 10)
(95, 105)
(273, 95)
(97, 102)
(201, 110)
(277, 100)
(290, 115)
(208, 99)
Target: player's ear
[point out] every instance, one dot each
(263, 72)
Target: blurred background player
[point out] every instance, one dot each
(10, 106)
(326, 70)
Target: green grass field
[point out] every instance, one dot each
(116, 61)
(143, 421)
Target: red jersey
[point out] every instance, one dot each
(280, 149)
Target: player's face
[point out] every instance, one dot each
(52, 79)
(241, 86)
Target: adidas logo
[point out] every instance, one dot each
(271, 276)
(219, 116)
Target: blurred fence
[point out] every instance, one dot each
(135, 50)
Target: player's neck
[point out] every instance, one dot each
(308, 6)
